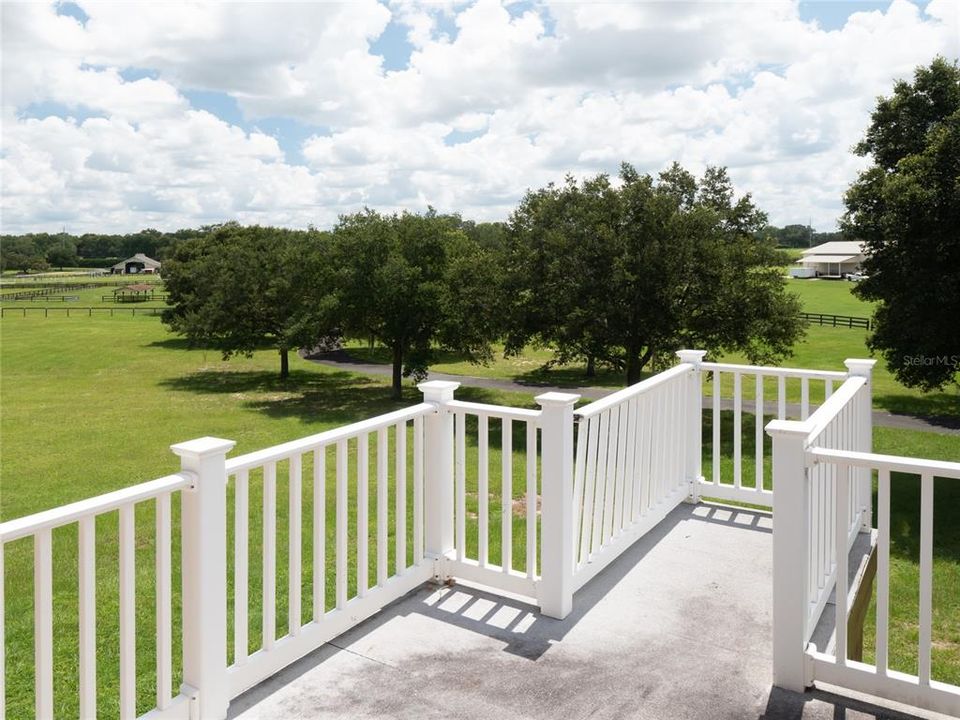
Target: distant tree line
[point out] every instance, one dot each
(798, 236)
(43, 251)
(615, 274)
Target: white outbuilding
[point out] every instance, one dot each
(834, 259)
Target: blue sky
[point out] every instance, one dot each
(296, 113)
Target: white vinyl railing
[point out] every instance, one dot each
(839, 501)
(733, 396)
(362, 514)
(472, 557)
(359, 530)
(823, 471)
(631, 465)
(38, 529)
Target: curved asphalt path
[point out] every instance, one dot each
(882, 418)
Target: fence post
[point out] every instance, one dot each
(864, 440)
(791, 539)
(693, 431)
(438, 474)
(556, 489)
(204, 570)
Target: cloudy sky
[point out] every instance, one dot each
(119, 116)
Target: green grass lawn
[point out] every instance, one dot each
(829, 296)
(90, 405)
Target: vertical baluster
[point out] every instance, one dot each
(400, 475)
(483, 490)
(646, 476)
(269, 584)
(363, 501)
(619, 489)
(383, 448)
(758, 434)
(737, 429)
(660, 431)
(418, 489)
(883, 570)
(841, 532)
(630, 474)
(926, 578)
(589, 487)
(804, 398)
(128, 644)
(715, 445)
(164, 603)
(610, 485)
(531, 500)
(319, 533)
(579, 472)
(43, 622)
(601, 480)
(87, 571)
(343, 460)
(506, 494)
(241, 514)
(827, 389)
(460, 465)
(781, 397)
(294, 545)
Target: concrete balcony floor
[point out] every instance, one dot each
(678, 627)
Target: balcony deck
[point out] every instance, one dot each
(678, 627)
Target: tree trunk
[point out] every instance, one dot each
(591, 366)
(284, 363)
(397, 371)
(635, 364)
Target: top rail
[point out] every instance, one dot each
(311, 442)
(65, 514)
(632, 391)
(495, 411)
(832, 406)
(895, 463)
(775, 371)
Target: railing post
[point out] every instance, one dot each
(791, 540)
(204, 573)
(438, 473)
(694, 416)
(864, 440)
(556, 524)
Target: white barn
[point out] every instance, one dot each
(139, 264)
(834, 259)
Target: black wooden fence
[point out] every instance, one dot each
(80, 311)
(847, 321)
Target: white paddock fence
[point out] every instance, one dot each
(285, 548)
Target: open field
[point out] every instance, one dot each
(829, 296)
(92, 404)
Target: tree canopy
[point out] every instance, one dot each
(415, 284)
(239, 288)
(906, 209)
(626, 274)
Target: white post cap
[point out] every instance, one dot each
(694, 357)
(859, 368)
(556, 399)
(438, 390)
(201, 447)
